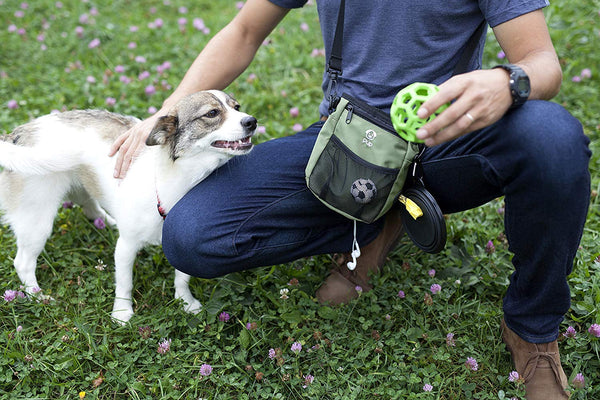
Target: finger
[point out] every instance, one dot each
(129, 156)
(434, 103)
(116, 145)
(446, 117)
(442, 121)
(461, 126)
(118, 164)
(450, 90)
(124, 166)
(122, 152)
(468, 122)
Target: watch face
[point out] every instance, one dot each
(523, 86)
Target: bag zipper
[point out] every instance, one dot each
(350, 109)
(357, 159)
(370, 113)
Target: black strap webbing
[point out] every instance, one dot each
(335, 57)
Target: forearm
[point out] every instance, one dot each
(223, 59)
(526, 42)
(545, 74)
(230, 51)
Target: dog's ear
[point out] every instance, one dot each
(165, 128)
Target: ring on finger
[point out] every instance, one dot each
(470, 117)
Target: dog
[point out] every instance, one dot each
(63, 156)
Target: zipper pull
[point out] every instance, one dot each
(350, 111)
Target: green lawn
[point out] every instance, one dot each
(126, 57)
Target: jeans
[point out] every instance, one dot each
(257, 211)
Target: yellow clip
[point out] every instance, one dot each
(413, 209)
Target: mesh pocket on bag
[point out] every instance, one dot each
(347, 182)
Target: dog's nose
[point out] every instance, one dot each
(249, 123)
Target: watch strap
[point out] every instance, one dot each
(516, 77)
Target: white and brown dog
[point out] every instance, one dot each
(63, 156)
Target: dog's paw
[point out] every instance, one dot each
(110, 221)
(122, 316)
(35, 293)
(43, 298)
(182, 292)
(192, 307)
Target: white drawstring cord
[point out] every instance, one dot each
(355, 251)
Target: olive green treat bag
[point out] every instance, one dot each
(359, 163)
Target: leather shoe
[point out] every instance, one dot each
(539, 366)
(341, 284)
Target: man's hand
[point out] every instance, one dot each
(130, 144)
(479, 98)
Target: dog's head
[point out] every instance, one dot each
(204, 121)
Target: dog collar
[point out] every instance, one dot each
(159, 207)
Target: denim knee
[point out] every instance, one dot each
(192, 246)
(550, 147)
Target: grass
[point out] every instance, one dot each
(380, 347)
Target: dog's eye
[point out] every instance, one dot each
(236, 107)
(212, 113)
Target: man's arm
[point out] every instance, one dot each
(223, 59)
(485, 94)
(526, 42)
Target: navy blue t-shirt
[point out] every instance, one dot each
(389, 44)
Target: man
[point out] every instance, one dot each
(496, 139)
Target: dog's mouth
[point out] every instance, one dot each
(239, 145)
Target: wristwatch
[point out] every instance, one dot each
(519, 84)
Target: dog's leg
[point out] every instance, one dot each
(92, 210)
(182, 291)
(31, 233)
(31, 222)
(125, 253)
(90, 207)
(25, 263)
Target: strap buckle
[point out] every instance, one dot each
(331, 93)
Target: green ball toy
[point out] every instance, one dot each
(405, 106)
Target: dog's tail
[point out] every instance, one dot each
(35, 160)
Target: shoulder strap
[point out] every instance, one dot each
(335, 57)
(334, 65)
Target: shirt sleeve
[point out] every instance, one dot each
(289, 3)
(497, 12)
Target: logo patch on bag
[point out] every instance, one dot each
(363, 190)
(370, 135)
